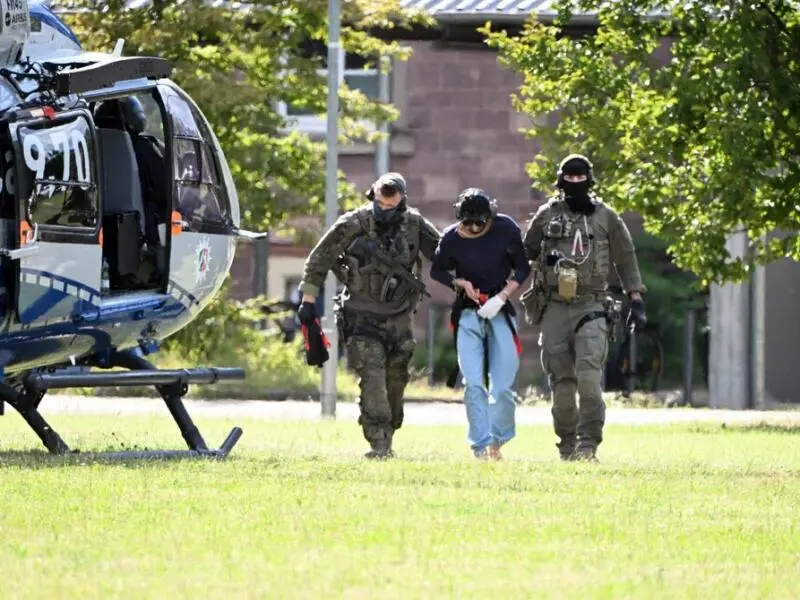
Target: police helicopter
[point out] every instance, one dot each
(118, 222)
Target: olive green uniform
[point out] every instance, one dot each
(574, 361)
(374, 312)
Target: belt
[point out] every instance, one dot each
(585, 295)
(459, 305)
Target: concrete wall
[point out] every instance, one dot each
(728, 379)
(782, 331)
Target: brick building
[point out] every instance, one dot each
(456, 129)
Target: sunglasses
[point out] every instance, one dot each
(470, 221)
(389, 190)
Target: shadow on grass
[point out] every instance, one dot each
(129, 457)
(761, 427)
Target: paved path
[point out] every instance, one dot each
(416, 413)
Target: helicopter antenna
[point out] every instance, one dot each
(118, 47)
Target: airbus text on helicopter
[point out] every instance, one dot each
(118, 221)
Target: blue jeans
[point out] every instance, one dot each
(490, 413)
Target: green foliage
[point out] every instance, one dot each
(238, 64)
(691, 119)
(225, 335)
(669, 293)
(445, 357)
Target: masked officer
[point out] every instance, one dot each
(375, 252)
(484, 250)
(573, 239)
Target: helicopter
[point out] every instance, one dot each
(119, 220)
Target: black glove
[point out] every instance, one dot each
(316, 343)
(307, 313)
(636, 316)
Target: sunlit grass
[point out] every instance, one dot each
(695, 511)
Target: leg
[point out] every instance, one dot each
(397, 377)
(503, 366)
(367, 357)
(557, 362)
(591, 347)
(469, 345)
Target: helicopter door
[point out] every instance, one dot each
(202, 232)
(59, 247)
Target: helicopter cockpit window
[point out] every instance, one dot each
(58, 172)
(200, 195)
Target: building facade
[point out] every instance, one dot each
(458, 128)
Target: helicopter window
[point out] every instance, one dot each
(58, 172)
(200, 195)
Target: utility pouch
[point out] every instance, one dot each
(567, 283)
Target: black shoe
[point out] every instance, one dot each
(566, 449)
(585, 453)
(379, 454)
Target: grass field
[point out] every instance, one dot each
(689, 511)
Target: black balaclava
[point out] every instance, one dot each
(576, 194)
(388, 184)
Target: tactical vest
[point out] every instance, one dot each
(583, 240)
(372, 286)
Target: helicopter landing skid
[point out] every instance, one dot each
(172, 385)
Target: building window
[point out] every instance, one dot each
(355, 75)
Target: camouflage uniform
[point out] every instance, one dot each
(574, 360)
(375, 309)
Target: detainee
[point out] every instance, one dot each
(482, 258)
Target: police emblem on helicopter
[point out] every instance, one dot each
(202, 259)
(111, 174)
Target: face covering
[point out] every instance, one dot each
(388, 216)
(577, 196)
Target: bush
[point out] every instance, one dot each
(226, 334)
(445, 358)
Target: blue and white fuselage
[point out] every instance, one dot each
(76, 204)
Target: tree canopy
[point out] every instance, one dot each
(238, 61)
(692, 118)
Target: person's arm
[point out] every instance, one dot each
(325, 253)
(428, 238)
(519, 259)
(534, 234)
(623, 255)
(442, 263)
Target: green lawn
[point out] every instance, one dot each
(695, 511)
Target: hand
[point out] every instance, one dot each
(492, 307)
(470, 291)
(637, 319)
(307, 313)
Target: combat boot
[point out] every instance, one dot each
(566, 451)
(380, 451)
(585, 453)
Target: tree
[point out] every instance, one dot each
(238, 61)
(692, 118)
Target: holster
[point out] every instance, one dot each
(534, 301)
(610, 312)
(316, 344)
